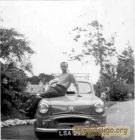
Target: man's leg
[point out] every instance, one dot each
(53, 92)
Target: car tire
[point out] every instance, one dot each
(41, 136)
(96, 138)
(38, 135)
(99, 138)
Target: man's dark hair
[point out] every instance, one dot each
(64, 63)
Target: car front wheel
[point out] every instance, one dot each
(99, 138)
(38, 135)
(41, 136)
(96, 138)
(44, 136)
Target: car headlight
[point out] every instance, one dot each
(43, 108)
(99, 107)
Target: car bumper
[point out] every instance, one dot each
(51, 130)
(47, 127)
(48, 124)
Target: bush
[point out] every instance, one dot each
(118, 90)
(131, 89)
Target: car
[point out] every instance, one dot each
(60, 116)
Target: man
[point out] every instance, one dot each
(62, 83)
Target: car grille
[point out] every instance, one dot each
(71, 120)
(77, 110)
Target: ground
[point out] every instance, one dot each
(119, 114)
(122, 114)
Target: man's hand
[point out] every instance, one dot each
(38, 96)
(54, 81)
(78, 94)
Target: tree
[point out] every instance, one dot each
(16, 77)
(15, 48)
(94, 44)
(11, 91)
(119, 78)
(15, 60)
(115, 87)
(125, 67)
(34, 80)
(15, 57)
(45, 77)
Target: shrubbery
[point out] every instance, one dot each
(12, 101)
(117, 90)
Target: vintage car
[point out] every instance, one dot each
(60, 115)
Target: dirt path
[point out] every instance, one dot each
(122, 114)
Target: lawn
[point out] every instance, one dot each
(109, 103)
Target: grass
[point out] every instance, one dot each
(110, 103)
(15, 114)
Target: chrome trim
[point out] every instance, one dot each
(75, 112)
(51, 129)
(72, 115)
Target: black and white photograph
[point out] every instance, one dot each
(67, 69)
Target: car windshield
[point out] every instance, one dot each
(84, 87)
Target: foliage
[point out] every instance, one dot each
(15, 48)
(125, 67)
(45, 77)
(119, 78)
(34, 80)
(7, 99)
(115, 90)
(16, 77)
(118, 90)
(94, 43)
(15, 59)
(11, 91)
(41, 77)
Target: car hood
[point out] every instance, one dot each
(74, 100)
(81, 104)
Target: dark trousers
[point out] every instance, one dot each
(52, 92)
(56, 91)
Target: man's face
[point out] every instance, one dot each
(64, 67)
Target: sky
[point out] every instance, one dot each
(48, 26)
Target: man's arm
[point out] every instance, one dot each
(77, 87)
(53, 81)
(74, 81)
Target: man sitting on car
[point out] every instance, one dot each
(59, 89)
(63, 82)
